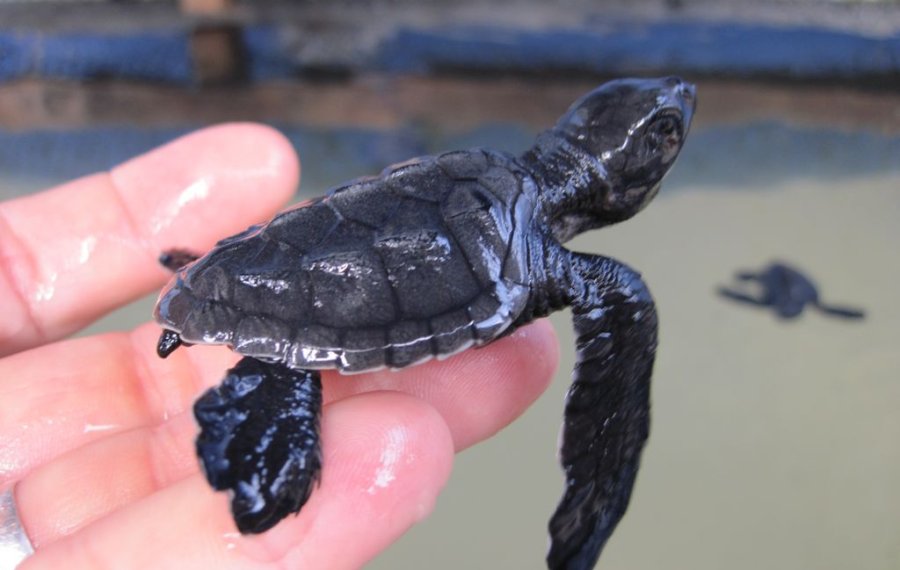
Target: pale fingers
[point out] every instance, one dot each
(387, 457)
(477, 393)
(59, 397)
(70, 254)
(63, 496)
(71, 393)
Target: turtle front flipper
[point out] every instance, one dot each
(607, 417)
(741, 297)
(842, 312)
(259, 438)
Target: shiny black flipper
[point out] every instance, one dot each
(742, 297)
(842, 312)
(175, 259)
(607, 417)
(259, 438)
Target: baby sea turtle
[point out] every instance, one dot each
(787, 291)
(431, 257)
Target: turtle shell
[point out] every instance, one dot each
(424, 260)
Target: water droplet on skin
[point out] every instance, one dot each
(73, 258)
(320, 355)
(272, 284)
(197, 190)
(90, 428)
(45, 291)
(231, 539)
(390, 457)
(88, 245)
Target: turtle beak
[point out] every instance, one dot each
(688, 101)
(684, 96)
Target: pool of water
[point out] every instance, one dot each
(774, 443)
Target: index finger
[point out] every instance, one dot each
(72, 253)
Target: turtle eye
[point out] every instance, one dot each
(665, 136)
(666, 127)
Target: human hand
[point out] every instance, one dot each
(97, 433)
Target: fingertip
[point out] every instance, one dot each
(207, 184)
(500, 382)
(538, 347)
(256, 138)
(478, 391)
(386, 457)
(385, 430)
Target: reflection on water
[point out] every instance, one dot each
(773, 443)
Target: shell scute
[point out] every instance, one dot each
(314, 346)
(409, 342)
(349, 290)
(304, 227)
(381, 202)
(210, 322)
(363, 349)
(427, 274)
(501, 183)
(262, 337)
(453, 332)
(467, 197)
(482, 244)
(463, 164)
(418, 179)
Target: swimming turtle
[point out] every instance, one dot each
(787, 291)
(431, 257)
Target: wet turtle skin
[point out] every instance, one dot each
(429, 258)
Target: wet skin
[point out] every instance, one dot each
(434, 256)
(786, 291)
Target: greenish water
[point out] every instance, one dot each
(774, 444)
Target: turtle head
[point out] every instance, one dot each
(615, 144)
(635, 129)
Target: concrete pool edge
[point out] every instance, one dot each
(153, 43)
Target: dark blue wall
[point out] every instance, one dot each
(684, 47)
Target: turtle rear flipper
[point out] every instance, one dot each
(175, 259)
(259, 439)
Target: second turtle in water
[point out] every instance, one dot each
(431, 257)
(787, 291)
